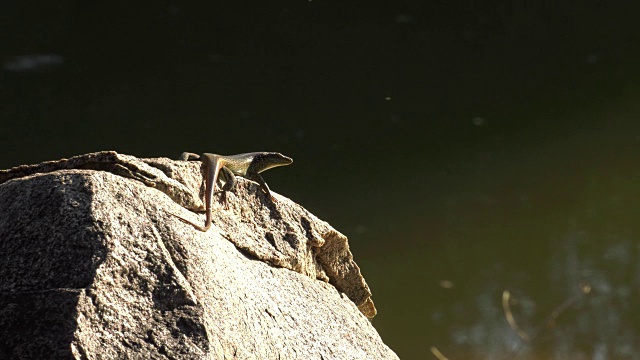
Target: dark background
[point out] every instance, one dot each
(466, 148)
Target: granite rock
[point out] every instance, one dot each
(94, 265)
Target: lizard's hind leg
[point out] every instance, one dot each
(230, 183)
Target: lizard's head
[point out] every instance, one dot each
(268, 160)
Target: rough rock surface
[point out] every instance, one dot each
(93, 265)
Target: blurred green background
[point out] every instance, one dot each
(464, 147)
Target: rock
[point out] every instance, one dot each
(94, 265)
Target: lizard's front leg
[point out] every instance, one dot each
(263, 185)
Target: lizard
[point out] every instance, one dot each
(248, 165)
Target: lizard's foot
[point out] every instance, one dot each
(187, 156)
(224, 200)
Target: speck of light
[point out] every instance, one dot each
(479, 121)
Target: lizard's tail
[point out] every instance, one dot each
(198, 227)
